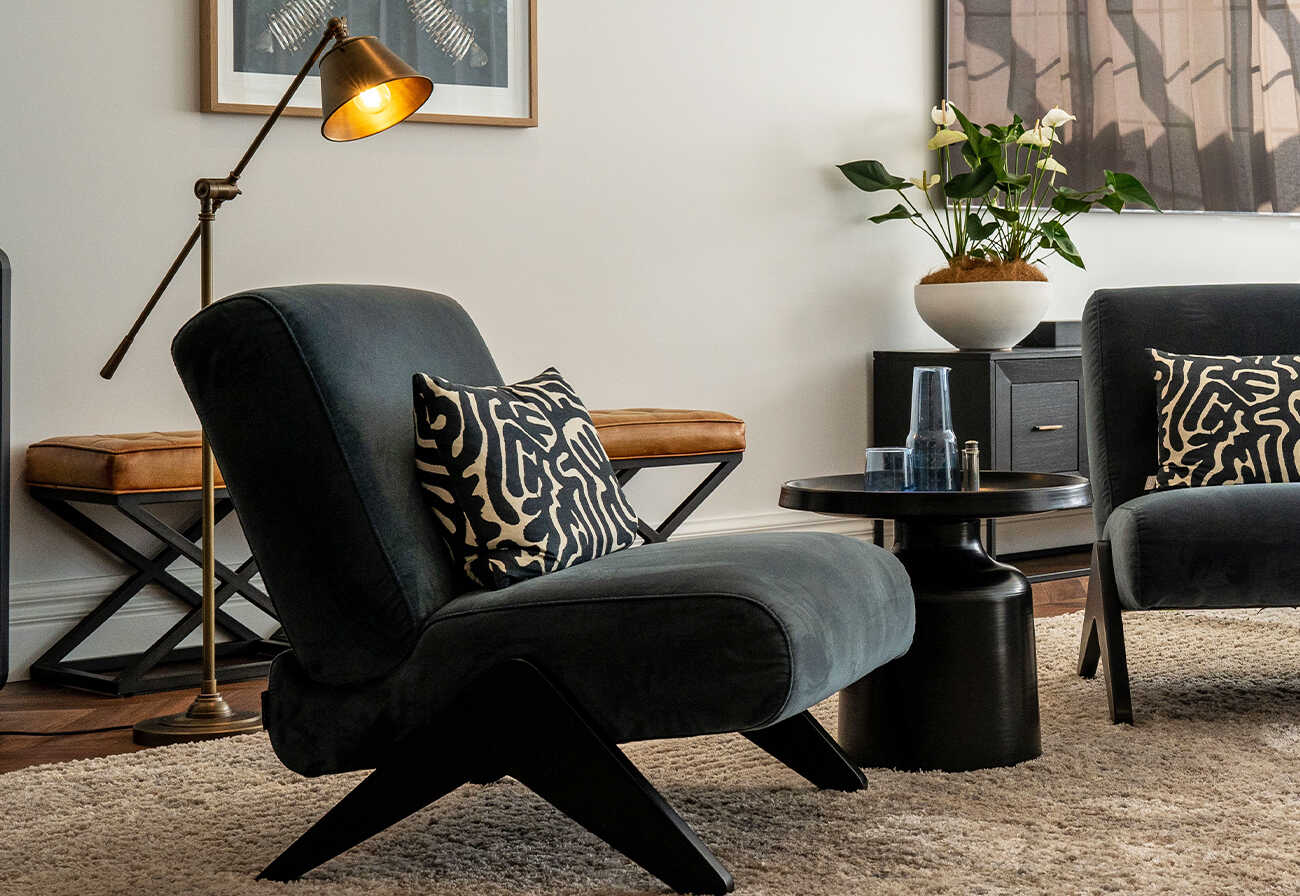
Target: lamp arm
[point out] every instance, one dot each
(335, 29)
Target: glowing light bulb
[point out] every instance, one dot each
(376, 99)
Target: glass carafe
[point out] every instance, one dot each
(932, 443)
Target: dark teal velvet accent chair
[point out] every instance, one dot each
(397, 666)
(1216, 547)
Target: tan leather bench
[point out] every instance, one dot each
(137, 462)
(638, 438)
(637, 433)
(130, 471)
(121, 464)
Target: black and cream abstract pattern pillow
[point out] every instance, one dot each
(517, 478)
(1227, 420)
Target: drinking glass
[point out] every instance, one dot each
(888, 470)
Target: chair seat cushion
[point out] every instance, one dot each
(1217, 546)
(662, 640)
(634, 433)
(125, 463)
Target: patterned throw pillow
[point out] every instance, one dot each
(517, 478)
(1227, 420)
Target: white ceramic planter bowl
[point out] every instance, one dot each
(994, 314)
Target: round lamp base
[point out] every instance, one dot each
(208, 718)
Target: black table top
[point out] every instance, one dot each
(1001, 493)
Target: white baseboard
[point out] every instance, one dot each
(41, 612)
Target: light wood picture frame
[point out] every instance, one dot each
(246, 62)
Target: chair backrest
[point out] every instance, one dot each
(1119, 325)
(305, 393)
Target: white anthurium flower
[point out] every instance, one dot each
(1041, 136)
(1050, 164)
(943, 116)
(922, 184)
(944, 137)
(1056, 116)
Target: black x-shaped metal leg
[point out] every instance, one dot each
(128, 674)
(724, 464)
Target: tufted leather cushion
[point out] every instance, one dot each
(629, 433)
(124, 463)
(119, 464)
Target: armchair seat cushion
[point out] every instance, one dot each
(663, 640)
(1212, 547)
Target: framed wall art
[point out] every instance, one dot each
(480, 54)
(1197, 98)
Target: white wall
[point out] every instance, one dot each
(672, 234)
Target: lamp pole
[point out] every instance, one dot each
(368, 90)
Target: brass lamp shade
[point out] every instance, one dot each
(366, 88)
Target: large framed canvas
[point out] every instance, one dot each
(480, 54)
(1197, 98)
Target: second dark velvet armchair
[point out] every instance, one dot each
(1190, 548)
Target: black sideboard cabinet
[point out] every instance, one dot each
(1024, 406)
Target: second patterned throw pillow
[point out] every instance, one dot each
(516, 477)
(1227, 420)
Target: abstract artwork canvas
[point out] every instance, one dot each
(1197, 98)
(480, 54)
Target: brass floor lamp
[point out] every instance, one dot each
(365, 89)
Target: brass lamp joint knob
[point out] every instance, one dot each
(218, 189)
(337, 27)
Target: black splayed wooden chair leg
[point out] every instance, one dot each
(384, 798)
(515, 721)
(1090, 642)
(589, 779)
(1103, 636)
(805, 746)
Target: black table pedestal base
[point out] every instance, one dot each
(966, 695)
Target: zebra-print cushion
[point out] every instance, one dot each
(517, 478)
(1227, 420)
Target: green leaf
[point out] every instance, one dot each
(1010, 215)
(979, 230)
(1112, 202)
(977, 253)
(897, 212)
(973, 183)
(1129, 189)
(979, 147)
(1013, 182)
(871, 176)
(1055, 237)
(1068, 205)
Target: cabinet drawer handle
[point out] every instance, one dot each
(1048, 427)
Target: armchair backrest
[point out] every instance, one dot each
(305, 393)
(1119, 325)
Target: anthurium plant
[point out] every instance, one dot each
(1001, 207)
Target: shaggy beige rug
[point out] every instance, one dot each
(1203, 796)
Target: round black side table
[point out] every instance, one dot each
(965, 696)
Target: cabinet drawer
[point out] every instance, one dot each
(1045, 426)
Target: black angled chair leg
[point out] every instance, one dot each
(384, 798)
(585, 776)
(515, 721)
(1103, 636)
(805, 746)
